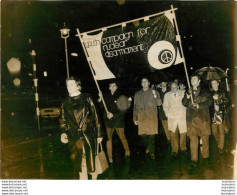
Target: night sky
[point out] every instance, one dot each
(205, 28)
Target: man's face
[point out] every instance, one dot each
(182, 86)
(195, 81)
(113, 87)
(174, 87)
(163, 84)
(145, 83)
(176, 81)
(72, 87)
(215, 85)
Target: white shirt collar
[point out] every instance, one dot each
(75, 94)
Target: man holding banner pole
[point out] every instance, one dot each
(114, 119)
(198, 118)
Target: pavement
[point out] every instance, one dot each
(31, 154)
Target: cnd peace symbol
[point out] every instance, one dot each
(166, 56)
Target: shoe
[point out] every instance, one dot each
(110, 161)
(127, 156)
(174, 155)
(153, 157)
(220, 151)
(194, 163)
(205, 161)
(184, 152)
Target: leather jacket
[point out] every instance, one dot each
(79, 120)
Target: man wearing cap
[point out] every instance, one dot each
(114, 119)
(198, 118)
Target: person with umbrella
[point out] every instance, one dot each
(218, 110)
(198, 118)
(145, 114)
(219, 114)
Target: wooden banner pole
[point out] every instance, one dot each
(93, 74)
(226, 81)
(181, 49)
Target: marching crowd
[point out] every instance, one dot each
(194, 113)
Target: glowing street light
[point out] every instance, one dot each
(14, 66)
(17, 82)
(65, 35)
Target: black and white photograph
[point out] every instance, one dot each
(118, 90)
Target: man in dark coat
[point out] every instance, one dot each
(80, 128)
(114, 120)
(198, 118)
(145, 115)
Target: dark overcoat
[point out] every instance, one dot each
(198, 119)
(118, 120)
(145, 112)
(80, 121)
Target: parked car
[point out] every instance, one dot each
(50, 112)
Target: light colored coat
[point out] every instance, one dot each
(145, 112)
(175, 111)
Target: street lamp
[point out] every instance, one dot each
(65, 35)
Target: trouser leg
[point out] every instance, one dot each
(120, 132)
(215, 133)
(205, 146)
(194, 147)
(183, 141)
(109, 142)
(175, 141)
(151, 144)
(221, 136)
(165, 126)
(94, 175)
(83, 174)
(144, 139)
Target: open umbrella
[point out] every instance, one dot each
(211, 73)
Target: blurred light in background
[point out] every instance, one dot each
(14, 66)
(45, 74)
(74, 54)
(121, 2)
(17, 82)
